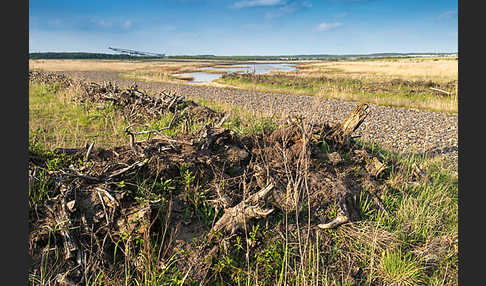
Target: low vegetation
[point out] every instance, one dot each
(412, 83)
(156, 216)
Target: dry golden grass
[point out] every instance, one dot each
(438, 104)
(440, 70)
(113, 65)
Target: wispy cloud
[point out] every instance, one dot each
(91, 24)
(109, 25)
(102, 23)
(340, 15)
(127, 24)
(447, 15)
(255, 3)
(328, 26)
(288, 8)
(351, 1)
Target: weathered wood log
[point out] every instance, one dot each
(234, 218)
(340, 134)
(339, 220)
(375, 167)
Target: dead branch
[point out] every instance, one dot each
(339, 220)
(75, 174)
(220, 123)
(340, 133)
(126, 169)
(234, 218)
(440, 90)
(89, 151)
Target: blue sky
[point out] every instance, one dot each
(244, 27)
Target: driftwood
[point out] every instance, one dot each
(375, 167)
(90, 148)
(220, 123)
(347, 211)
(340, 134)
(339, 220)
(75, 173)
(234, 218)
(218, 148)
(440, 90)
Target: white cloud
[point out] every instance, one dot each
(254, 3)
(102, 23)
(340, 15)
(306, 4)
(328, 26)
(447, 15)
(288, 9)
(127, 24)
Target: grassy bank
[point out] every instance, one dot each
(417, 95)
(428, 84)
(412, 242)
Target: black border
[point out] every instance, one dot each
(471, 145)
(15, 131)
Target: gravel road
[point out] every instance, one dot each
(400, 129)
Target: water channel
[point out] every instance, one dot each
(200, 77)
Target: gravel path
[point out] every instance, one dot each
(400, 129)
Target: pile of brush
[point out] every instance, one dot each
(51, 78)
(191, 192)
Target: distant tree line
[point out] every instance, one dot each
(75, 55)
(80, 55)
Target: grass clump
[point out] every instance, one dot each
(56, 121)
(397, 268)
